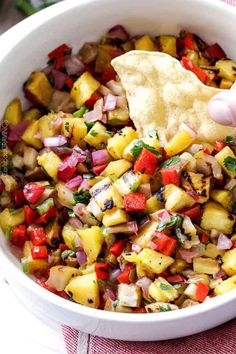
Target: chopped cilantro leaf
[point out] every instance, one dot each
(81, 196)
(229, 140)
(71, 213)
(165, 286)
(230, 163)
(164, 309)
(175, 220)
(67, 126)
(15, 211)
(139, 145)
(80, 112)
(172, 161)
(90, 124)
(93, 133)
(177, 286)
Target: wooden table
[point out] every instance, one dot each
(9, 15)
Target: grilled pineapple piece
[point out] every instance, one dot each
(10, 182)
(221, 156)
(162, 290)
(205, 265)
(225, 84)
(106, 195)
(13, 113)
(154, 261)
(216, 217)
(97, 135)
(226, 285)
(168, 45)
(117, 168)
(69, 235)
(60, 276)
(197, 183)
(118, 116)
(229, 262)
(114, 216)
(153, 205)
(38, 88)
(46, 126)
(92, 241)
(176, 198)
(50, 162)
(223, 197)
(29, 135)
(115, 306)
(227, 69)
(84, 290)
(83, 89)
(75, 129)
(181, 141)
(94, 209)
(178, 266)
(129, 295)
(117, 144)
(212, 251)
(144, 235)
(145, 43)
(31, 114)
(160, 307)
(11, 218)
(128, 183)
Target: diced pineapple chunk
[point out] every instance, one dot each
(227, 69)
(205, 265)
(117, 144)
(225, 84)
(94, 209)
(129, 295)
(83, 89)
(97, 135)
(221, 156)
(128, 183)
(144, 235)
(168, 45)
(212, 251)
(69, 235)
(145, 43)
(153, 142)
(178, 266)
(114, 216)
(154, 261)
(229, 262)
(29, 135)
(176, 198)
(181, 141)
(13, 113)
(162, 290)
(84, 290)
(160, 307)
(197, 183)
(223, 197)
(153, 205)
(11, 218)
(76, 129)
(226, 285)
(50, 162)
(38, 87)
(10, 182)
(46, 126)
(115, 306)
(106, 195)
(118, 116)
(216, 217)
(32, 114)
(60, 276)
(117, 168)
(92, 240)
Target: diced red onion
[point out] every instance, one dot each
(47, 70)
(100, 157)
(56, 122)
(16, 131)
(114, 274)
(184, 126)
(109, 294)
(81, 257)
(188, 255)
(57, 140)
(78, 209)
(74, 66)
(136, 248)
(77, 156)
(78, 243)
(74, 182)
(76, 223)
(119, 32)
(121, 101)
(115, 87)
(144, 284)
(50, 259)
(92, 116)
(146, 220)
(145, 188)
(59, 79)
(110, 103)
(61, 151)
(219, 275)
(224, 243)
(165, 217)
(104, 118)
(103, 90)
(84, 185)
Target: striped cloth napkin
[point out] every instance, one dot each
(220, 340)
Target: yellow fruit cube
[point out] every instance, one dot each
(226, 285)
(223, 197)
(39, 87)
(11, 218)
(205, 265)
(176, 198)
(76, 129)
(92, 240)
(114, 216)
(212, 251)
(168, 45)
(117, 168)
(154, 261)
(181, 141)
(229, 262)
(220, 158)
(50, 162)
(97, 135)
(29, 135)
(145, 43)
(153, 205)
(117, 144)
(144, 235)
(83, 89)
(13, 113)
(162, 290)
(69, 235)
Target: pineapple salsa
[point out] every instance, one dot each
(102, 216)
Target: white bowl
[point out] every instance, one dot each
(23, 49)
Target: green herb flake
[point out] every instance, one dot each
(229, 140)
(175, 220)
(230, 163)
(80, 113)
(139, 145)
(71, 213)
(177, 286)
(81, 196)
(164, 309)
(165, 286)
(15, 211)
(172, 161)
(67, 126)
(153, 134)
(115, 304)
(93, 133)
(68, 253)
(8, 233)
(132, 275)
(90, 124)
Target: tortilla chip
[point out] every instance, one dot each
(162, 95)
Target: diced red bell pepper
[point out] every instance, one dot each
(98, 169)
(2, 186)
(30, 215)
(173, 279)
(63, 49)
(170, 176)
(63, 247)
(139, 310)
(66, 170)
(146, 162)
(92, 100)
(18, 197)
(189, 65)
(102, 270)
(219, 145)
(215, 51)
(203, 237)
(234, 245)
(18, 235)
(37, 236)
(39, 252)
(164, 243)
(127, 276)
(33, 191)
(165, 274)
(206, 150)
(201, 291)
(59, 62)
(43, 219)
(69, 82)
(188, 40)
(135, 202)
(108, 74)
(117, 248)
(194, 212)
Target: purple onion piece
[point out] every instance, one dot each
(119, 32)
(81, 257)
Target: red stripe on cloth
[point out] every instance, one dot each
(71, 337)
